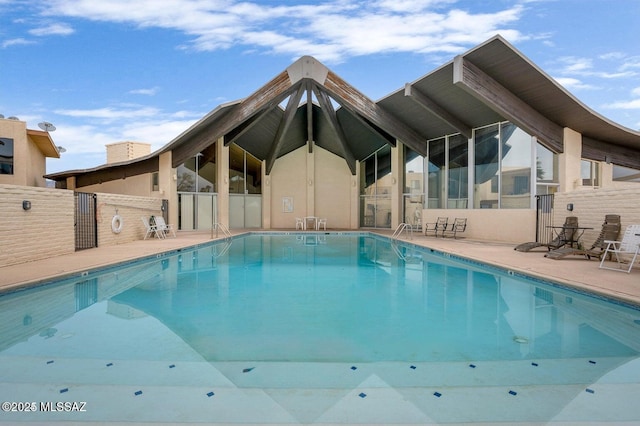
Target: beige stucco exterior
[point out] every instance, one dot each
(127, 150)
(29, 155)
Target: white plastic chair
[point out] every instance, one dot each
(629, 246)
(299, 223)
(150, 229)
(321, 222)
(163, 227)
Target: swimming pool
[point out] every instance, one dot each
(316, 328)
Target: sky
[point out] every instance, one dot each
(145, 70)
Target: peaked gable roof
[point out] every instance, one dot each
(308, 104)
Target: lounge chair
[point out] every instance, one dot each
(629, 246)
(565, 236)
(163, 227)
(610, 232)
(150, 229)
(458, 226)
(438, 226)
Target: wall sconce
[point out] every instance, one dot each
(570, 207)
(175, 177)
(26, 205)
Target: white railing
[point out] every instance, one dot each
(402, 228)
(219, 226)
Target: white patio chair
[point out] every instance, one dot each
(150, 229)
(163, 227)
(629, 246)
(321, 223)
(299, 223)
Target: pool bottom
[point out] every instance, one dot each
(327, 393)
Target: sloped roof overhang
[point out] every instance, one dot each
(44, 143)
(490, 83)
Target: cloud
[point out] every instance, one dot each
(330, 30)
(109, 113)
(89, 130)
(52, 29)
(15, 42)
(573, 83)
(585, 67)
(148, 92)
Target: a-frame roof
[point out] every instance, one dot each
(308, 102)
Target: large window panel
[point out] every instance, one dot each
(487, 167)
(413, 187)
(458, 181)
(515, 190)
(375, 189)
(436, 168)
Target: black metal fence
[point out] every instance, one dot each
(544, 218)
(86, 225)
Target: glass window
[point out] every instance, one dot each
(245, 172)
(198, 174)
(515, 191)
(625, 174)
(458, 182)
(546, 164)
(413, 187)
(546, 170)
(590, 173)
(375, 189)
(155, 181)
(436, 168)
(6, 156)
(487, 167)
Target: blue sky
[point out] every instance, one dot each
(145, 70)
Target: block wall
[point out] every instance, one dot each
(130, 208)
(45, 230)
(591, 206)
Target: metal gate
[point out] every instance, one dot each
(544, 218)
(86, 224)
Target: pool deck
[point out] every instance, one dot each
(575, 271)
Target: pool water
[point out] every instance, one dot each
(317, 328)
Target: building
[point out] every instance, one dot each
(480, 137)
(23, 153)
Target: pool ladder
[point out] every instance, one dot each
(224, 229)
(402, 228)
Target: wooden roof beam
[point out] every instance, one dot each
(425, 102)
(310, 135)
(603, 151)
(243, 128)
(480, 85)
(355, 102)
(330, 114)
(268, 96)
(287, 119)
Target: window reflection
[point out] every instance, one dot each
(6, 156)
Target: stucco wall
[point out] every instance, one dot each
(591, 206)
(503, 225)
(46, 230)
(139, 185)
(319, 186)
